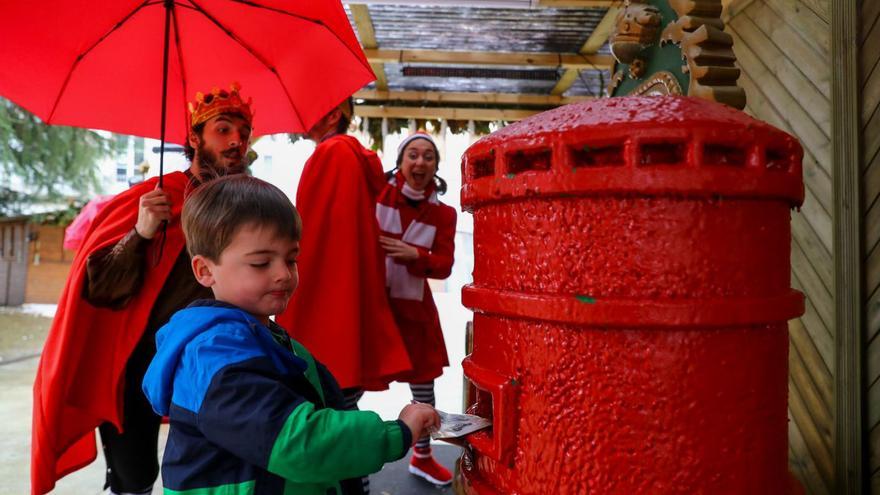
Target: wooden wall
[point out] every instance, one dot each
(48, 265)
(783, 48)
(869, 83)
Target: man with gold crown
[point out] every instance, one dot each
(129, 276)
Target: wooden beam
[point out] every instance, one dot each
(507, 4)
(597, 38)
(849, 453)
(367, 34)
(576, 4)
(449, 113)
(530, 59)
(459, 97)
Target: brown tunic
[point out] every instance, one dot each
(116, 273)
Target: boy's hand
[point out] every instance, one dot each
(419, 417)
(153, 209)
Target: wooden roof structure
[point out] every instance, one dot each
(483, 60)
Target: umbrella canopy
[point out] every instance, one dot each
(100, 64)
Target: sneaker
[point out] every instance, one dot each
(422, 464)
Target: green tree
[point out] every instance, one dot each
(50, 158)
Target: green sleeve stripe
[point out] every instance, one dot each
(312, 371)
(246, 488)
(324, 446)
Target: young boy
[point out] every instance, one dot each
(250, 410)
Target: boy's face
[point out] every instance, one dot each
(256, 272)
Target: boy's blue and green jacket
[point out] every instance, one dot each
(252, 412)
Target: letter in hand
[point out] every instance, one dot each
(153, 209)
(420, 418)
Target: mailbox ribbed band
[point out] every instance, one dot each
(633, 313)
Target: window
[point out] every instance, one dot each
(121, 172)
(138, 150)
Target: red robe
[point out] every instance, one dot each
(340, 312)
(80, 377)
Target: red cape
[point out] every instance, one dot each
(340, 311)
(80, 377)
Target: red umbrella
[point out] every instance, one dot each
(105, 65)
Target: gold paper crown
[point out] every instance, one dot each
(219, 101)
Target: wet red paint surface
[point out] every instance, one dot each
(631, 290)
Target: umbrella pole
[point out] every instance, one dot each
(169, 6)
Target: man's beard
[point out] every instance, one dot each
(210, 167)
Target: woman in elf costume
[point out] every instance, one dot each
(418, 233)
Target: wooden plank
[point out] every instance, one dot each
(814, 250)
(465, 97)
(816, 177)
(811, 136)
(871, 181)
(528, 59)
(849, 432)
(871, 138)
(872, 268)
(819, 220)
(801, 461)
(820, 7)
(733, 8)
(367, 34)
(869, 55)
(575, 4)
(821, 336)
(813, 288)
(816, 104)
(812, 29)
(483, 114)
(872, 314)
(872, 362)
(873, 401)
(815, 368)
(874, 448)
(515, 4)
(870, 19)
(819, 412)
(872, 228)
(812, 63)
(871, 94)
(820, 453)
(597, 38)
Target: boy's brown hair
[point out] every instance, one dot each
(217, 209)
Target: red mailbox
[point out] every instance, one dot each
(631, 296)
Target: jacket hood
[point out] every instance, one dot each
(172, 339)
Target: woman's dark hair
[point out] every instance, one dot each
(438, 181)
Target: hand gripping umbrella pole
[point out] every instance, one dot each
(169, 6)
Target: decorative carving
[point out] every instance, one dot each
(637, 68)
(707, 51)
(635, 29)
(615, 81)
(660, 83)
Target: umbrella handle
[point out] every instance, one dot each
(163, 234)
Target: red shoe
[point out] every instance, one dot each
(422, 464)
